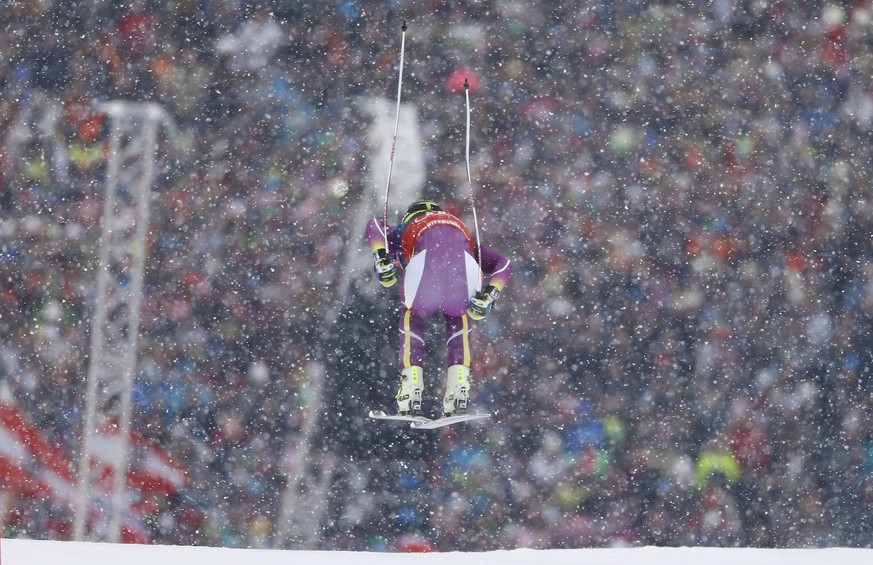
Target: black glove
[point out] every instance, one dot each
(385, 269)
(482, 302)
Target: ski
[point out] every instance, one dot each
(447, 421)
(380, 415)
(424, 423)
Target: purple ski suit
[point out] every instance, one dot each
(441, 274)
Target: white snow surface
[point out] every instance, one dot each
(31, 552)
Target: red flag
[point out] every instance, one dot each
(35, 468)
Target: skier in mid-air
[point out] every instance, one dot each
(441, 274)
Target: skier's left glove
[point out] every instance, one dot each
(482, 302)
(385, 269)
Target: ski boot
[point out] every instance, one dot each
(409, 395)
(457, 390)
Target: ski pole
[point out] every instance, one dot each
(396, 125)
(470, 184)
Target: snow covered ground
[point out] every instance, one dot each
(15, 552)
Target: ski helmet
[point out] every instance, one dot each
(420, 207)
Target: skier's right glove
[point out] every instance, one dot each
(385, 270)
(482, 302)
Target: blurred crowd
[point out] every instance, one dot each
(682, 357)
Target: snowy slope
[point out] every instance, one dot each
(15, 552)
